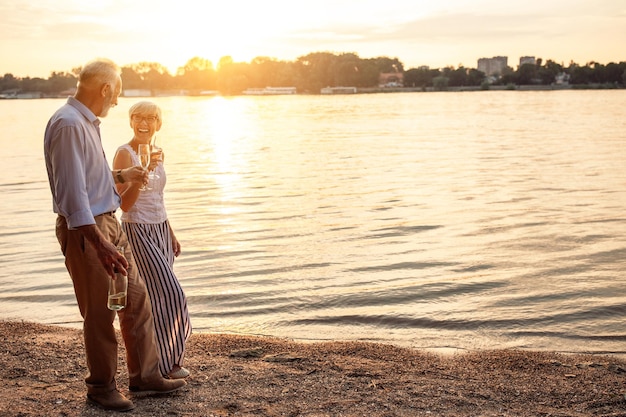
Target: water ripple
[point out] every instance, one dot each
(500, 226)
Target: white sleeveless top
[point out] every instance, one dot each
(150, 206)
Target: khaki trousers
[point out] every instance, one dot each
(136, 322)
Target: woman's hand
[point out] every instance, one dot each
(176, 246)
(175, 242)
(156, 156)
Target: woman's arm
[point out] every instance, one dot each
(129, 189)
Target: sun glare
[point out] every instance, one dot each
(230, 137)
(214, 34)
(222, 132)
(258, 32)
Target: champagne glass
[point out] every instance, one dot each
(155, 155)
(144, 160)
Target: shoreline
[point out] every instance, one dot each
(359, 91)
(43, 370)
(436, 350)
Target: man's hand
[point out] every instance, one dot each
(109, 257)
(135, 174)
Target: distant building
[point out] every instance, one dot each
(561, 78)
(527, 60)
(12, 93)
(30, 94)
(137, 92)
(391, 79)
(270, 91)
(492, 66)
(338, 90)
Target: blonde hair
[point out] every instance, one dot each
(143, 108)
(98, 72)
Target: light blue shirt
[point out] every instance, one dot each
(80, 178)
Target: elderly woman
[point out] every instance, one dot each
(153, 242)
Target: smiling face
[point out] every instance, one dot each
(145, 120)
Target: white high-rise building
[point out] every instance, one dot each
(492, 66)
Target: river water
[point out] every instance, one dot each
(452, 220)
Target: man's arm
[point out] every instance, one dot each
(130, 174)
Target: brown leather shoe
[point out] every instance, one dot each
(164, 386)
(113, 400)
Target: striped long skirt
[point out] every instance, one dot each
(154, 255)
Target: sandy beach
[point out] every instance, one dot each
(43, 369)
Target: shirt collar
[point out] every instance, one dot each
(84, 110)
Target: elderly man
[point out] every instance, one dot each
(85, 199)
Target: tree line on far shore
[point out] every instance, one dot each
(310, 73)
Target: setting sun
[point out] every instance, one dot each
(61, 35)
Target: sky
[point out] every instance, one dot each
(38, 37)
